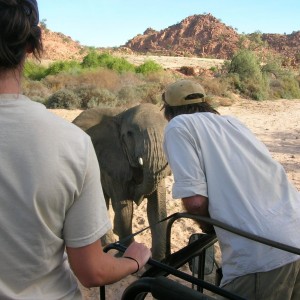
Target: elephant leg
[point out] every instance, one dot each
(156, 211)
(107, 198)
(109, 237)
(123, 219)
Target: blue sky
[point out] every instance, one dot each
(109, 23)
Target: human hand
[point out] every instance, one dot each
(138, 252)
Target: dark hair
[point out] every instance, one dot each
(172, 111)
(19, 32)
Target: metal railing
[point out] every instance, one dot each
(153, 277)
(162, 288)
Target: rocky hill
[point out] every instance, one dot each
(198, 35)
(58, 46)
(206, 36)
(195, 36)
(288, 46)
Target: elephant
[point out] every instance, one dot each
(129, 148)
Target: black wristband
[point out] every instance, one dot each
(138, 265)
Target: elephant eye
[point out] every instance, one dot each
(130, 133)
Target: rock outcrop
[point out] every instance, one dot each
(198, 35)
(195, 36)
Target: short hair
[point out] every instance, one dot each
(19, 32)
(172, 111)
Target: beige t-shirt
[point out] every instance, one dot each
(50, 197)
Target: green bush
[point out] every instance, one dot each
(256, 40)
(105, 80)
(256, 90)
(34, 71)
(117, 64)
(149, 66)
(298, 79)
(105, 60)
(248, 79)
(64, 98)
(286, 87)
(62, 66)
(90, 60)
(246, 65)
(273, 68)
(283, 82)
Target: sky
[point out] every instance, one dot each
(111, 23)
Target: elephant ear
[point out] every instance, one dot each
(105, 136)
(93, 116)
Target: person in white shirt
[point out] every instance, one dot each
(51, 198)
(221, 170)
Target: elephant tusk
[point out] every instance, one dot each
(141, 161)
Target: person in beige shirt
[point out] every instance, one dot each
(51, 197)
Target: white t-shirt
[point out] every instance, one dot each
(218, 157)
(50, 197)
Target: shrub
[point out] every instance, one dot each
(256, 90)
(129, 79)
(216, 86)
(34, 71)
(96, 78)
(256, 40)
(150, 92)
(105, 60)
(94, 97)
(149, 66)
(298, 79)
(120, 65)
(57, 82)
(283, 83)
(64, 98)
(246, 65)
(248, 78)
(62, 66)
(128, 95)
(90, 60)
(35, 90)
(162, 78)
(288, 88)
(188, 71)
(102, 98)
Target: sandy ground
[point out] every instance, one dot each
(276, 123)
(174, 62)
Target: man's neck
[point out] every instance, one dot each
(10, 82)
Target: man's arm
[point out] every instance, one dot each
(93, 267)
(198, 205)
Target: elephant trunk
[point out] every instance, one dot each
(152, 162)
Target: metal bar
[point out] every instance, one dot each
(162, 288)
(242, 233)
(182, 256)
(184, 276)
